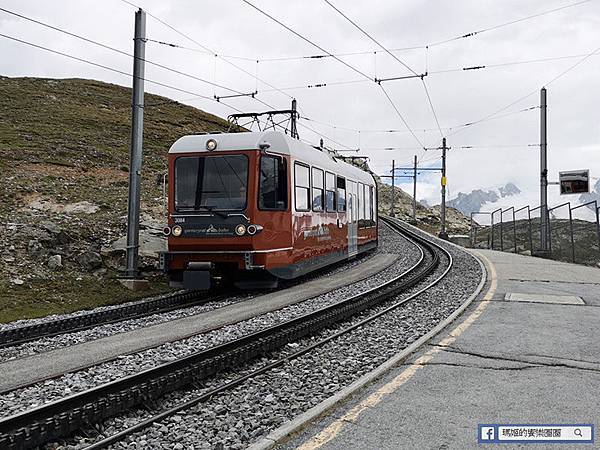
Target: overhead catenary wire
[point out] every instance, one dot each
(370, 37)
(397, 49)
(505, 24)
(200, 45)
(113, 49)
(337, 59)
(205, 48)
(533, 92)
(395, 58)
(468, 68)
(112, 69)
(291, 30)
(208, 51)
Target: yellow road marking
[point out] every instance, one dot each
(329, 433)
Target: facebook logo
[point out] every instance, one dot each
(487, 433)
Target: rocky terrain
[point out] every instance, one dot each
(472, 202)
(64, 154)
(427, 218)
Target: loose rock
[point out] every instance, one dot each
(55, 262)
(90, 260)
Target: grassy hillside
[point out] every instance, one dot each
(64, 153)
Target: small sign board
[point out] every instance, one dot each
(574, 181)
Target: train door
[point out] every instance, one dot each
(352, 218)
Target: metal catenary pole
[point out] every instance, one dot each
(530, 232)
(135, 158)
(514, 228)
(393, 185)
(294, 129)
(543, 174)
(501, 230)
(443, 233)
(597, 224)
(572, 236)
(472, 232)
(414, 205)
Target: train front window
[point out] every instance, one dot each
(207, 183)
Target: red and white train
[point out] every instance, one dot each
(251, 208)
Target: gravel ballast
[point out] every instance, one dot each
(247, 413)
(22, 399)
(68, 339)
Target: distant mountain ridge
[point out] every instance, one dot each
(472, 202)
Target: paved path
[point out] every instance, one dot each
(21, 372)
(503, 361)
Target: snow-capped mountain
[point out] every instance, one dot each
(475, 200)
(594, 194)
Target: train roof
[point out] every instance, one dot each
(278, 142)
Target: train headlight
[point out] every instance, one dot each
(240, 229)
(253, 229)
(176, 231)
(167, 230)
(211, 145)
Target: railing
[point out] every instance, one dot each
(572, 233)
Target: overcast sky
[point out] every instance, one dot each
(232, 28)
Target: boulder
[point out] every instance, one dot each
(150, 245)
(90, 261)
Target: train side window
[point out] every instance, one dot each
(341, 194)
(372, 206)
(272, 192)
(318, 197)
(361, 205)
(330, 201)
(302, 187)
(367, 206)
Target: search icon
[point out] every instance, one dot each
(577, 432)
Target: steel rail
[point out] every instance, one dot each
(27, 333)
(117, 437)
(62, 417)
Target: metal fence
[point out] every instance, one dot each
(572, 232)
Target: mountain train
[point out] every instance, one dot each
(252, 208)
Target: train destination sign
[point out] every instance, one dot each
(574, 181)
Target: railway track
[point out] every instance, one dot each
(12, 337)
(60, 418)
(27, 333)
